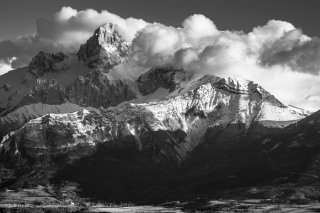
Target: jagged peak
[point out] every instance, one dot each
(108, 34)
(105, 48)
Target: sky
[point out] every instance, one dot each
(274, 43)
(17, 17)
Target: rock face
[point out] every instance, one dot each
(53, 138)
(97, 90)
(22, 115)
(105, 49)
(166, 78)
(46, 62)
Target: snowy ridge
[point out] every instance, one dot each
(165, 107)
(181, 101)
(23, 114)
(35, 140)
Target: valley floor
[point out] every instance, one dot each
(42, 199)
(253, 206)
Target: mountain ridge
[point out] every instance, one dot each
(64, 109)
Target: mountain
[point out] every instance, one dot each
(105, 49)
(61, 79)
(64, 118)
(178, 107)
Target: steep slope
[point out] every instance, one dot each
(29, 85)
(105, 49)
(284, 162)
(194, 108)
(298, 148)
(249, 100)
(23, 114)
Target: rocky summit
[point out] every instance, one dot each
(105, 49)
(170, 133)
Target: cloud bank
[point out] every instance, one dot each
(276, 55)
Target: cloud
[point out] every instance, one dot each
(270, 32)
(5, 65)
(276, 55)
(295, 50)
(64, 31)
(186, 58)
(155, 45)
(197, 28)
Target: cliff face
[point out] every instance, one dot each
(97, 90)
(105, 49)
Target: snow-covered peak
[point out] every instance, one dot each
(243, 98)
(183, 80)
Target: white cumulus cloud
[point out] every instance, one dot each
(277, 55)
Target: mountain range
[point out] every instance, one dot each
(169, 134)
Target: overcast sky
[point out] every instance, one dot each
(274, 43)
